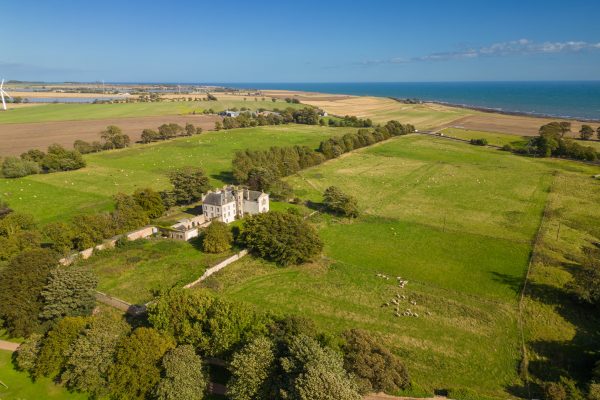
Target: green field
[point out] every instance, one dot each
(79, 112)
(456, 221)
(62, 195)
(139, 270)
(20, 386)
(493, 138)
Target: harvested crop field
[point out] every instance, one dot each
(18, 138)
(512, 124)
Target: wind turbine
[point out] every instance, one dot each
(2, 94)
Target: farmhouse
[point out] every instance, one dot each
(233, 202)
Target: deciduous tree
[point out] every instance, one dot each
(184, 377)
(188, 184)
(69, 292)
(217, 238)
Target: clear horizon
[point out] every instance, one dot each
(301, 42)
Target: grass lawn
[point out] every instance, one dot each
(456, 221)
(139, 270)
(62, 195)
(78, 112)
(494, 138)
(20, 386)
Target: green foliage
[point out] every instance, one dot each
(338, 202)
(551, 142)
(188, 184)
(479, 142)
(21, 283)
(212, 325)
(467, 394)
(60, 159)
(586, 132)
(594, 391)
(14, 167)
(150, 201)
(17, 234)
(169, 131)
(586, 282)
(34, 155)
(114, 138)
(93, 353)
(251, 368)
(60, 235)
(69, 293)
(313, 372)
(281, 237)
(128, 214)
(86, 148)
(28, 352)
(374, 366)
(183, 377)
(57, 345)
(217, 238)
(136, 370)
(149, 135)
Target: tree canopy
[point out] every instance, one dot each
(184, 377)
(340, 203)
(217, 238)
(188, 184)
(281, 237)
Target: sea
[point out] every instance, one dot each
(564, 99)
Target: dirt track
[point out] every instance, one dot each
(18, 138)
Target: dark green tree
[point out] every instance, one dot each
(217, 238)
(136, 370)
(92, 354)
(183, 377)
(376, 369)
(150, 201)
(586, 132)
(281, 237)
(60, 235)
(21, 284)
(128, 214)
(251, 370)
(70, 292)
(338, 202)
(60, 159)
(56, 346)
(188, 184)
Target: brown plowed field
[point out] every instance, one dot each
(18, 138)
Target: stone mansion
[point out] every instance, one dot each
(233, 202)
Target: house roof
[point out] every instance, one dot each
(219, 198)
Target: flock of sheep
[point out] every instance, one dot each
(396, 300)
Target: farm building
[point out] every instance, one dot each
(187, 228)
(233, 202)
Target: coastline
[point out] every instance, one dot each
(502, 112)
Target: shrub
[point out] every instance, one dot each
(217, 238)
(14, 167)
(281, 237)
(338, 202)
(479, 142)
(60, 159)
(507, 147)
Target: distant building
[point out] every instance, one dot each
(229, 113)
(233, 202)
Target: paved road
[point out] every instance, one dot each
(10, 346)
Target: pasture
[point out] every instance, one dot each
(50, 197)
(139, 270)
(456, 221)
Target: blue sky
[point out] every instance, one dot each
(300, 41)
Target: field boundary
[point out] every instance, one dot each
(534, 251)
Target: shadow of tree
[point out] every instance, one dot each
(224, 176)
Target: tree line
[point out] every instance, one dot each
(263, 169)
(34, 161)
(551, 142)
(268, 355)
(306, 116)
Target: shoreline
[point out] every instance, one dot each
(498, 111)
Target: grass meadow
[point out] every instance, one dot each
(139, 270)
(80, 112)
(20, 386)
(50, 197)
(457, 221)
